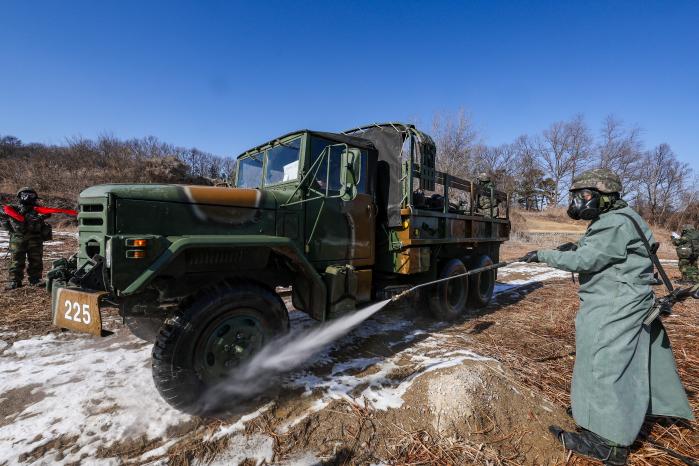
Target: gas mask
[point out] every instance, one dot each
(584, 205)
(27, 198)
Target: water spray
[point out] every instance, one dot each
(283, 355)
(291, 351)
(453, 277)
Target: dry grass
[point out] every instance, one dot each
(422, 447)
(535, 338)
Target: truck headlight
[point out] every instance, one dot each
(108, 253)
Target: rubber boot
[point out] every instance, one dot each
(13, 286)
(38, 282)
(589, 444)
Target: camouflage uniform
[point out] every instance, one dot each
(26, 243)
(687, 252)
(484, 204)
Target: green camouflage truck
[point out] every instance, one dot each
(340, 219)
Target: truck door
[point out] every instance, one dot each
(340, 231)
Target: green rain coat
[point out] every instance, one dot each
(623, 369)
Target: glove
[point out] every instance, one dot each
(531, 257)
(567, 247)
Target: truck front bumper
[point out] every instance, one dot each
(76, 309)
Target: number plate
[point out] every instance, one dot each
(78, 310)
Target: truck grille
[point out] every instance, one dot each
(93, 227)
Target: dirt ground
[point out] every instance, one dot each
(399, 389)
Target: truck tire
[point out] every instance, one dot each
(482, 285)
(216, 331)
(447, 300)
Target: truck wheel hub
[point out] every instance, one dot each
(230, 342)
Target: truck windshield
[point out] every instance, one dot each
(283, 162)
(250, 172)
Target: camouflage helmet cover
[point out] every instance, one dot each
(600, 179)
(483, 177)
(26, 189)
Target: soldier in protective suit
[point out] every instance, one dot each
(687, 247)
(624, 370)
(484, 200)
(27, 234)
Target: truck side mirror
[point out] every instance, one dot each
(350, 172)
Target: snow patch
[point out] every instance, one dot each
(306, 459)
(100, 391)
(256, 447)
(237, 426)
(383, 391)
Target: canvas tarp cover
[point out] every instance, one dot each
(388, 142)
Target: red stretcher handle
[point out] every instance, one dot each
(52, 210)
(11, 212)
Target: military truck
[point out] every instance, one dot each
(340, 219)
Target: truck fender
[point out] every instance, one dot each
(280, 245)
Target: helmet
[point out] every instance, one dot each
(483, 177)
(27, 196)
(25, 189)
(600, 179)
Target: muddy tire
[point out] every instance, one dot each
(212, 334)
(482, 285)
(447, 300)
(144, 328)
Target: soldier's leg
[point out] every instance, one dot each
(35, 253)
(18, 253)
(682, 264)
(692, 271)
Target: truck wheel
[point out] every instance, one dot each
(209, 337)
(447, 300)
(481, 285)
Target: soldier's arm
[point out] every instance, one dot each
(605, 244)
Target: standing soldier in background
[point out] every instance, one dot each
(624, 370)
(687, 247)
(28, 231)
(485, 202)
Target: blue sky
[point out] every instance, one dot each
(224, 76)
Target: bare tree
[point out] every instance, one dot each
(9, 145)
(529, 176)
(580, 145)
(662, 182)
(554, 153)
(456, 140)
(501, 163)
(564, 150)
(620, 150)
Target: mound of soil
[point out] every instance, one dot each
(454, 415)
